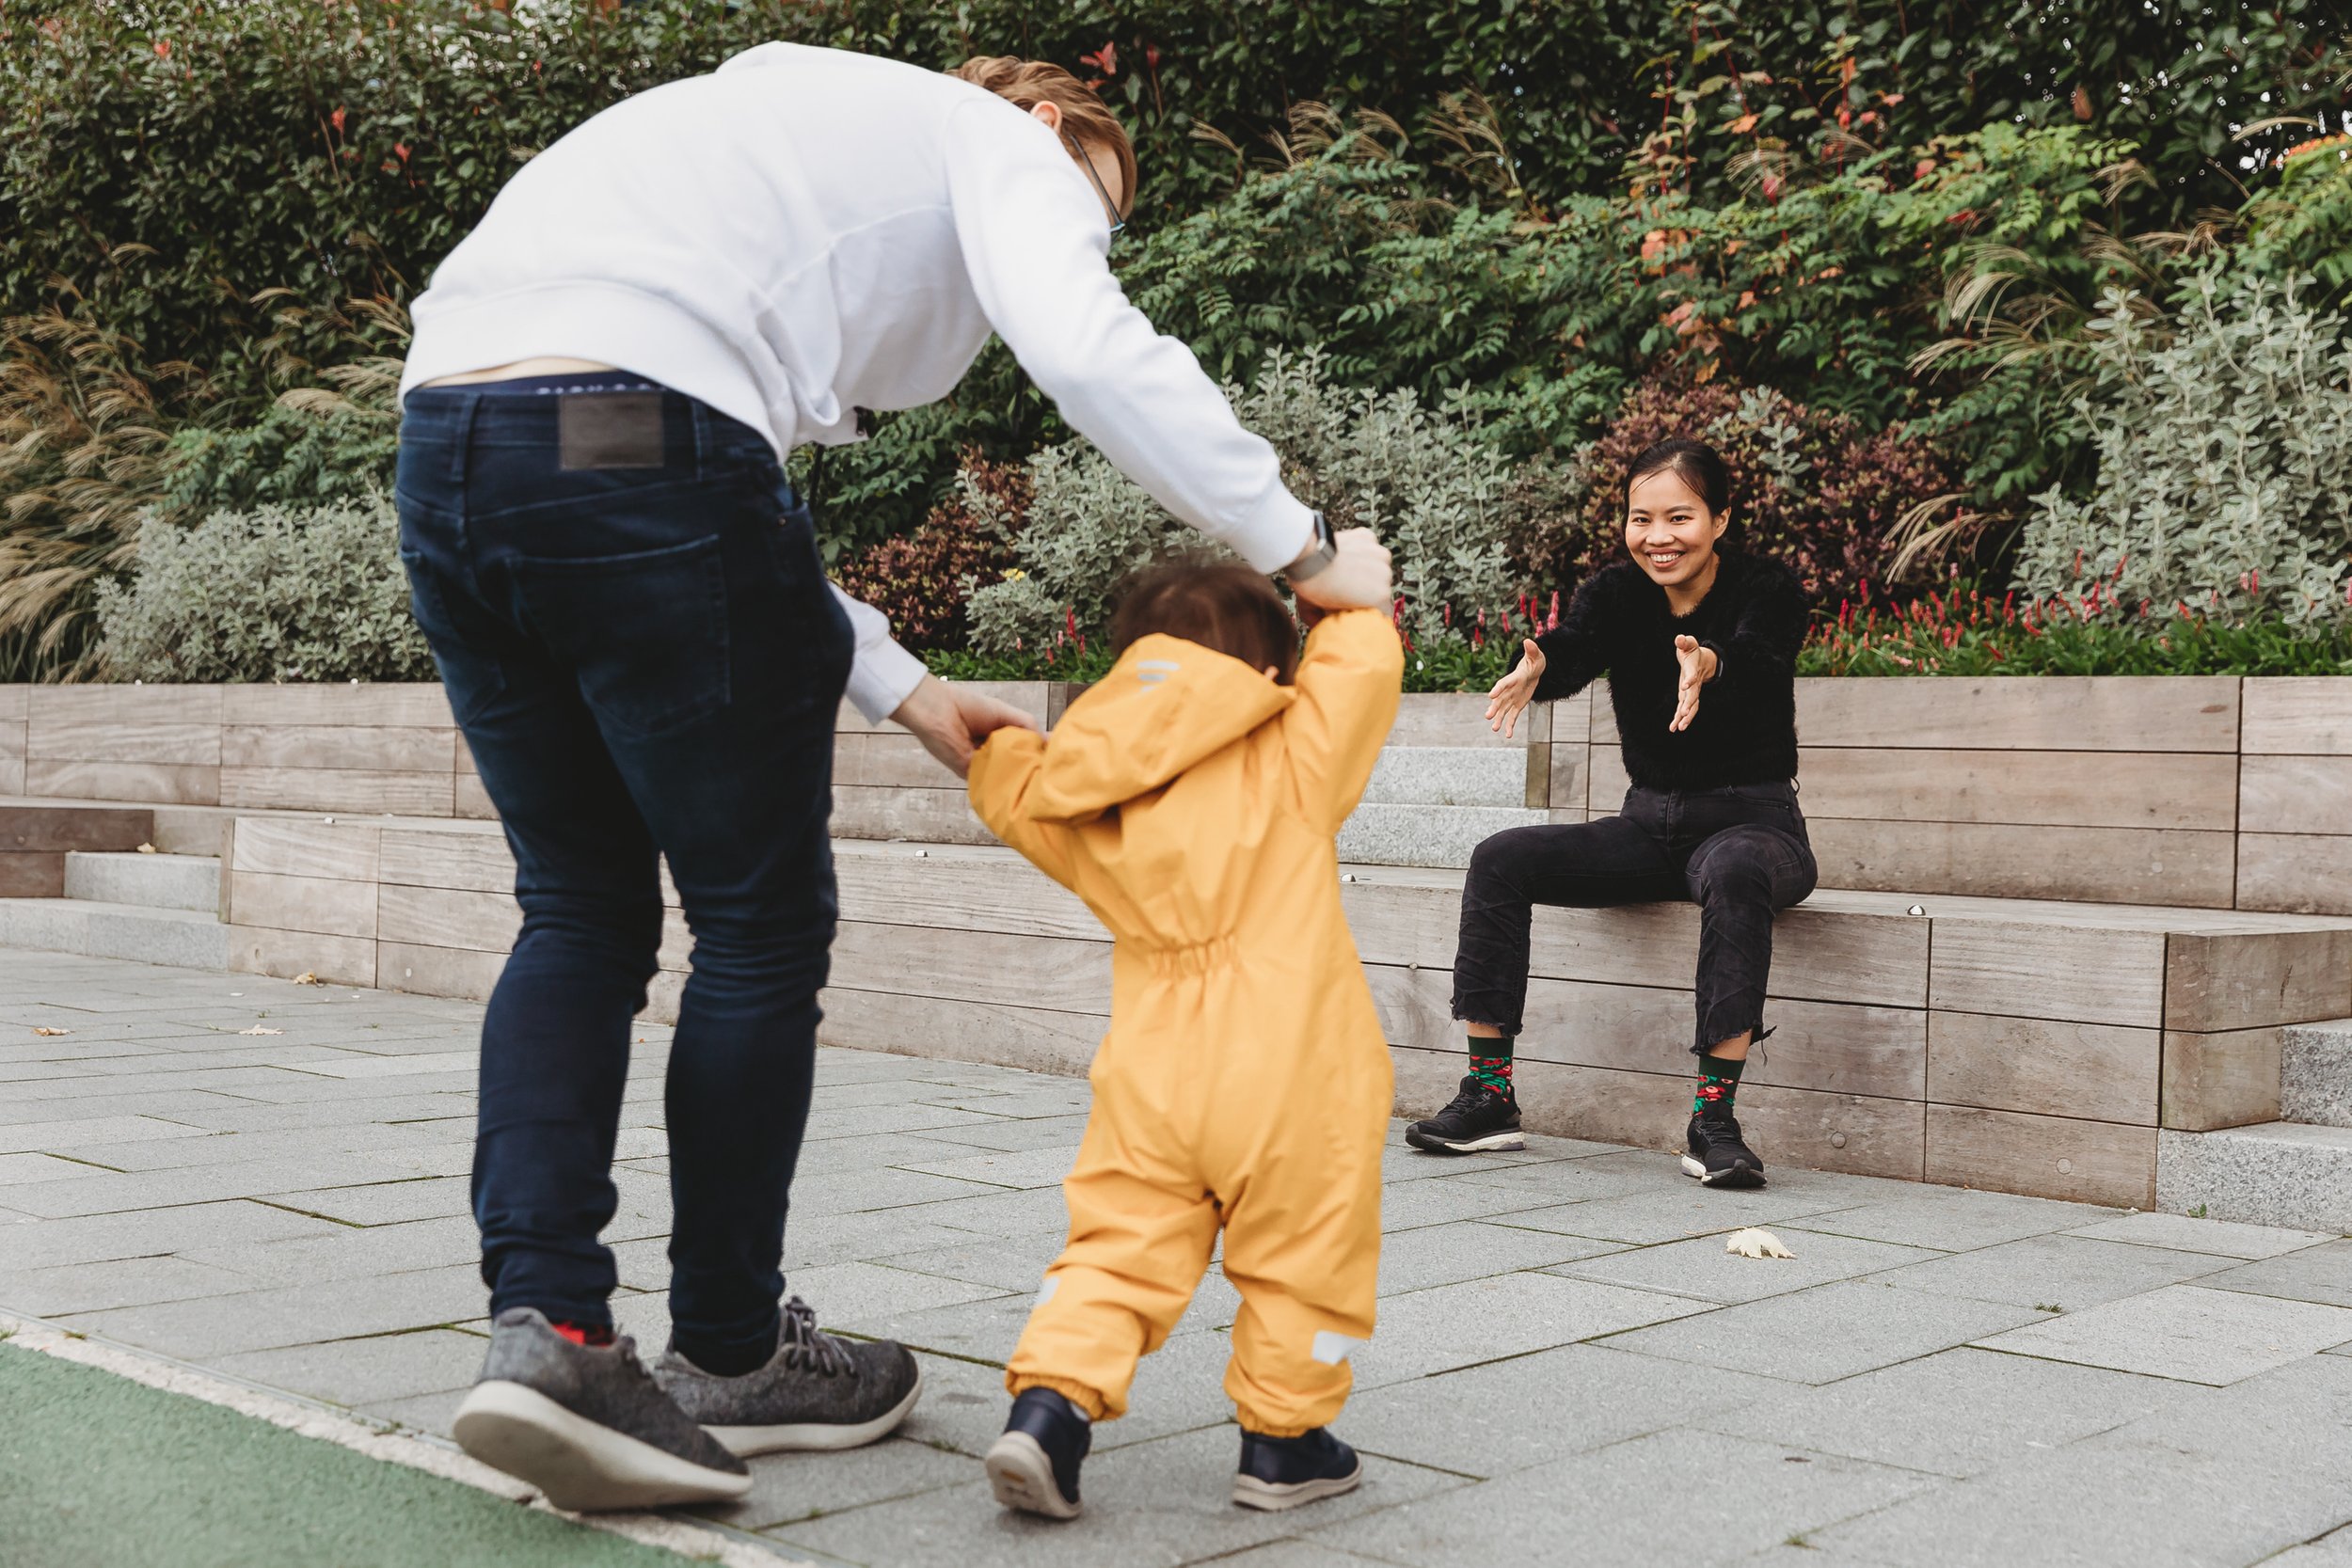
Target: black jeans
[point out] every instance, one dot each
(634, 631)
(1740, 853)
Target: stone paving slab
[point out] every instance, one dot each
(2234, 1478)
(1828, 1332)
(2061, 1273)
(2321, 1273)
(2198, 1336)
(1957, 1412)
(1675, 1497)
(1568, 1364)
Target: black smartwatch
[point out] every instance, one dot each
(1320, 553)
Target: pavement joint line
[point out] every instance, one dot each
(699, 1540)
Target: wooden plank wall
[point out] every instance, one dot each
(390, 749)
(2294, 795)
(2026, 1046)
(16, 703)
(2208, 793)
(2108, 789)
(886, 786)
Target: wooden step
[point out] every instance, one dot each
(36, 839)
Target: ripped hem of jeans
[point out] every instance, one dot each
(1709, 1038)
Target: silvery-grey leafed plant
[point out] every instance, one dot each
(274, 593)
(2224, 440)
(1426, 480)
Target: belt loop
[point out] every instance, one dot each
(460, 448)
(699, 415)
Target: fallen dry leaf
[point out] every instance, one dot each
(306, 978)
(149, 849)
(44, 1029)
(1755, 1242)
(261, 1029)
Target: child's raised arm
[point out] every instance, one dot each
(1348, 682)
(1004, 772)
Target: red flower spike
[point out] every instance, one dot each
(336, 120)
(400, 151)
(163, 49)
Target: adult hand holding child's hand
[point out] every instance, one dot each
(951, 721)
(1357, 578)
(1510, 695)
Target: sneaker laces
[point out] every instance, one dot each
(1472, 1099)
(1716, 1131)
(805, 1347)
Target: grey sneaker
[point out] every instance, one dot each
(587, 1425)
(816, 1392)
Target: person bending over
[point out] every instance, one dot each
(1699, 641)
(1191, 798)
(624, 596)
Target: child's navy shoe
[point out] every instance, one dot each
(1283, 1472)
(1034, 1466)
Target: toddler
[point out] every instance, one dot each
(1190, 798)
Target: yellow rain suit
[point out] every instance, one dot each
(1245, 1083)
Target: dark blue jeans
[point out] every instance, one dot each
(1741, 853)
(632, 624)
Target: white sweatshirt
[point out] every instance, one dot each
(809, 231)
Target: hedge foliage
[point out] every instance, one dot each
(167, 161)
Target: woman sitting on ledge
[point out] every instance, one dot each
(1700, 647)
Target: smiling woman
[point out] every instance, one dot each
(1699, 642)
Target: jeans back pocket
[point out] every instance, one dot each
(646, 632)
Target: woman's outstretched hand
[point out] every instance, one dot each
(1698, 667)
(1513, 691)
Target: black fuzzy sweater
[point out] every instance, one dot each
(1755, 617)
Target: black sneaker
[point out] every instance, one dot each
(1034, 1466)
(1478, 1121)
(1718, 1157)
(1283, 1472)
(816, 1392)
(587, 1425)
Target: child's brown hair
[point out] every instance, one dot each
(1220, 606)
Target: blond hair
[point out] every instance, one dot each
(1085, 117)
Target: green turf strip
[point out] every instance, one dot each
(97, 1471)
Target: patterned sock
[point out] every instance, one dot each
(1719, 1084)
(1490, 1062)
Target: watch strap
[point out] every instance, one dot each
(1318, 555)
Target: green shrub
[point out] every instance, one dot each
(1431, 485)
(1966, 632)
(276, 593)
(290, 458)
(172, 159)
(2224, 440)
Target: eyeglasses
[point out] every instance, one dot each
(1110, 208)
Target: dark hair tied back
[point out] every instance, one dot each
(1695, 463)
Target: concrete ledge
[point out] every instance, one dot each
(2280, 1173)
(183, 938)
(151, 881)
(2315, 1073)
